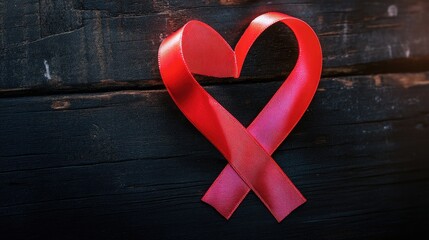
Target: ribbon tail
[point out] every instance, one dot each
(224, 198)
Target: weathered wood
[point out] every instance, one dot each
(128, 165)
(65, 44)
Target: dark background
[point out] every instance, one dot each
(93, 147)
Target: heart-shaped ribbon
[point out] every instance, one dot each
(198, 49)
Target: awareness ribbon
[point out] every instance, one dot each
(196, 48)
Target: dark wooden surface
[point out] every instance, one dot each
(92, 146)
(114, 44)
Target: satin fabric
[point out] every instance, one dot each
(198, 49)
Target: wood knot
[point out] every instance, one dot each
(232, 2)
(60, 105)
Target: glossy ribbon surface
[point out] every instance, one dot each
(198, 49)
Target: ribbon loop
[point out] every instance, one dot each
(197, 48)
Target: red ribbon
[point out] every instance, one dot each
(199, 49)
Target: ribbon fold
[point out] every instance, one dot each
(196, 48)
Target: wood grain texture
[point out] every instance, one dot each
(74, 44)
(128, 165)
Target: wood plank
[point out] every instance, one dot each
(128, 165)
(67, 44)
